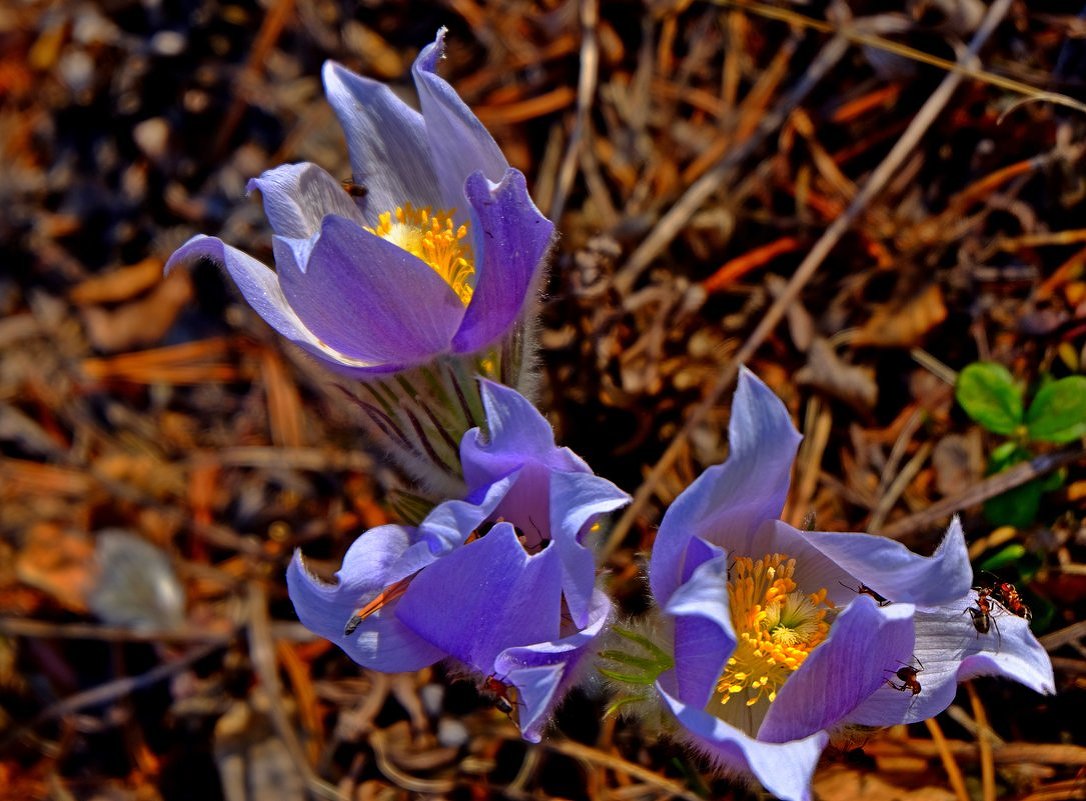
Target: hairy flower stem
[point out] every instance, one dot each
(419, 415)
(632, 666)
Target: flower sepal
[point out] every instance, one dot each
(419, 415)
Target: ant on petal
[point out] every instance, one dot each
(379, 601)
(863, 589)
(906, 674)
(501, 692)
(1007, 595)
(353, 188)
(981, 614)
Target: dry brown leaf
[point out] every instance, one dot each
(59, 562)
(142, 322)
(253, 763)
(119, 285)
(903, 324)
(827, 372)
(958, 462)
(841, 783)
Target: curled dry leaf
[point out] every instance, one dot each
(141, 322)
(903, 324)
(826, 371)
(59, 562)
(958, 462)
(117, 286)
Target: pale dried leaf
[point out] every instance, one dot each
(826, 371)
(903, 324)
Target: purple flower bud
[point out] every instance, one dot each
(780, 636)
(437, 253)
(500, 583)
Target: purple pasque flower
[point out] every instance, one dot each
(501, 582)
(779, 636)
(439, 255)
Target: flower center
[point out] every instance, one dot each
(434, 238)
(776, 627)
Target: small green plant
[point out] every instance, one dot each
(989, 394)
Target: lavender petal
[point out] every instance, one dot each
(511, 240)
(368, 298)
(386, 140)
(458, 141)
(298, 196)
(728, 502)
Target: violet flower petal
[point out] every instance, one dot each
(458, 141)
(260, 288)
(576, 499)
(704, 635)
(382, 642)
(450, 523)
(258, 283)
(518, 433)
(485, 597)
(732, 499)
(951, 651)
(865, 646)
(784, 769)
(895, 572)
(542, 672)
(387, 143)
(368, 298)
(511, 239)
(297, 197)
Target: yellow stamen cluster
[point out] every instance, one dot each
(433, 237)
(776, 626)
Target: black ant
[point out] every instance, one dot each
(863, 589)
(907, 676)
(981, 614)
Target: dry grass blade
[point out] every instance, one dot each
(953, 772)
(263, 654)
(586, 91)
(274, 23)
(189, 363)
(987, 761)
(594, 757)
(694, 198)
(977, 494)
(875, 184)
(911, 53)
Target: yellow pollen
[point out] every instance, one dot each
(776, 627)
(433, 237)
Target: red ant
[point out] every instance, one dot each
(907, 676)
(500, 691)
(1007, 595)
(389, 594)
(863, 589)
(379, 601)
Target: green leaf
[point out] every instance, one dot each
(1007, 455)
(1004, 557)
(1017, 507)
(627, 678)
(988, 394)
(1058, 413)
(1054, 480)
